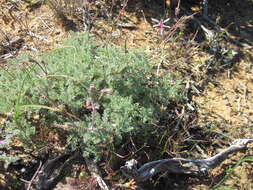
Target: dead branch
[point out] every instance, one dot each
(180, 165)
(37, 36)
(210, 34)
(54, 170)
(96, 173)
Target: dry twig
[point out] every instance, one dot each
(96, 173)
(34, 176)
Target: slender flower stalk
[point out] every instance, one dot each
(161, 24)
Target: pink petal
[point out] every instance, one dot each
(2, 142)
(166, 20)
(106, 91)
(154, 20)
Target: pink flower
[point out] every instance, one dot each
(160, 24)
(22, 64)
(89, 105)
(106, 91)
(2, 142)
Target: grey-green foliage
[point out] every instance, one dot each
(7, 159)
(4, 145)
(64, 82)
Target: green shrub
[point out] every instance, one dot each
(104, 91)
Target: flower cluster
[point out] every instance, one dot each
(161, 24)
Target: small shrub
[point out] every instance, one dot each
(104, 92)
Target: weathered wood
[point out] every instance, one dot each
(53, 171)
(180, 165)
